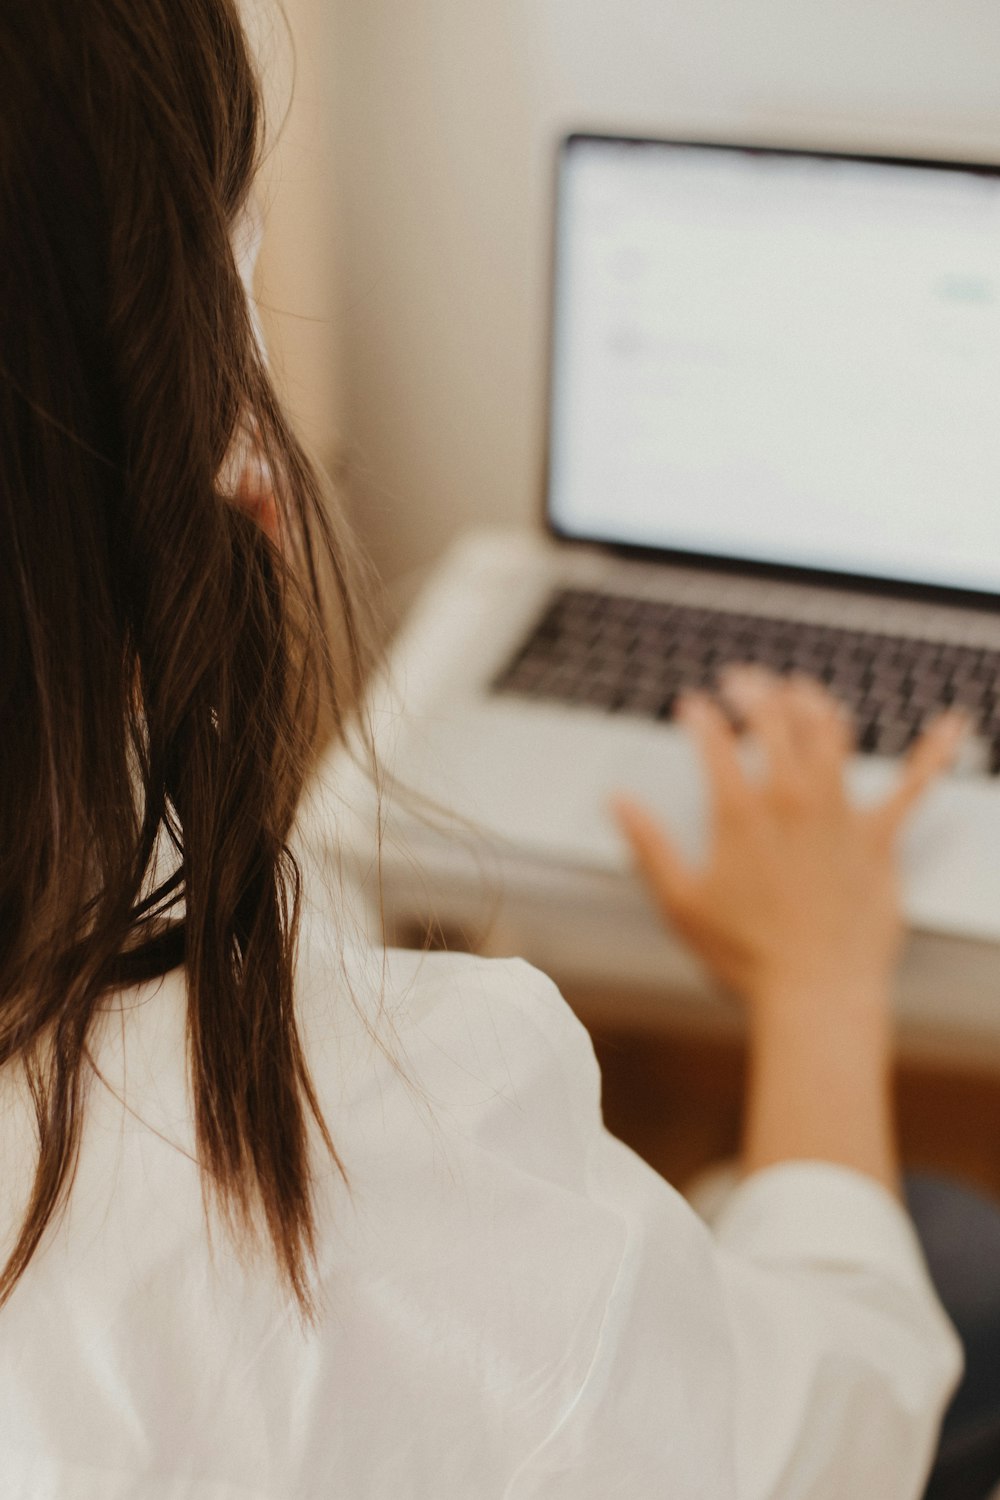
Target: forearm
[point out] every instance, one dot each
(820, 1087)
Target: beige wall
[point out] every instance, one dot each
(300, 264)
(411, 216)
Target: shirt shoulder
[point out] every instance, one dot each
(478, 1050)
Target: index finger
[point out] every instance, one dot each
(716, 741)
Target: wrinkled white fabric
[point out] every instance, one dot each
(514, 1305)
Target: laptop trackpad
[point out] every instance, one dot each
(951, 859)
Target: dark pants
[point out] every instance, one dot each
(960, 1232)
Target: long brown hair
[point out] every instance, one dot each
(163, 661)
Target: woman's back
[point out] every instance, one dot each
(511, 1304)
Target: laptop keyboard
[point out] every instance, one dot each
(635, 656)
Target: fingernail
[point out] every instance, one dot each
(691, 706)
(743, 683)
(955, 725)
(622, 807)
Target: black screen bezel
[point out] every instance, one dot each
(707, 561)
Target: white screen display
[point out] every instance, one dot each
(781, 358)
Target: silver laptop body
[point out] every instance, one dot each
(774, 434)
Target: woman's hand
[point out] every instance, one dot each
(799, 897)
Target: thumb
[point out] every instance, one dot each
(664, 871)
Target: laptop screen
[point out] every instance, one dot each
(779, 357)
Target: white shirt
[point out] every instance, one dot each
(514, 1304)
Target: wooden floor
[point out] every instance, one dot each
(677, 1101)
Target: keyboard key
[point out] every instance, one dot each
(868, 736)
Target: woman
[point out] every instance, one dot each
(282, 1217)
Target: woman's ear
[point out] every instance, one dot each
(252, 487)
(246, 481)
(254, 494)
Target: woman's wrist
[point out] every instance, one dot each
(861, 1002)
(820, 1085)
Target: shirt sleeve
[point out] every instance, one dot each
(843, 1355)
(796, 1352)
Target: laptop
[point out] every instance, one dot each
(773, 436)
